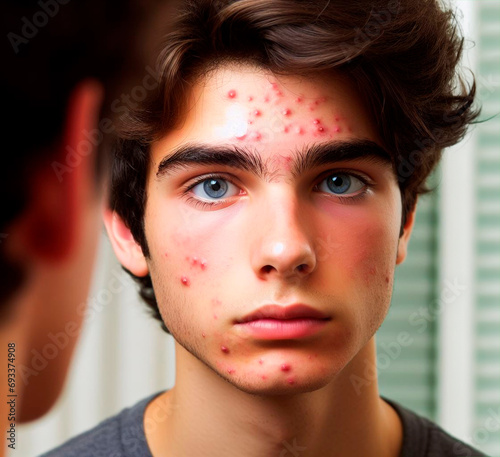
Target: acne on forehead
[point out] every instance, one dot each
(285, 112)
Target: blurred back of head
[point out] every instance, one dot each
(49, 47)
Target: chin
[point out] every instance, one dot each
(288, 385)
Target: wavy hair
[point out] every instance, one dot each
(402, 55)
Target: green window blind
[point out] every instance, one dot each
(409, 377)
(486, 429)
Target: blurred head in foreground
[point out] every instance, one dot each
(70, 69)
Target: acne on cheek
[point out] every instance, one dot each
(374, 271)
(194, 262)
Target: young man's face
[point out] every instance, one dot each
(282, 230)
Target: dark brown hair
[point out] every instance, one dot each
(402, 55)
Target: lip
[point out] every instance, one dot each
(273, 322)
(283, 313)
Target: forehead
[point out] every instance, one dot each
(272, 115)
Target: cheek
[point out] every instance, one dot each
(361, 248)
(373, 256)
(189, 255)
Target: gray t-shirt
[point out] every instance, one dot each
(123, 436)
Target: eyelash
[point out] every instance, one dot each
(344, 200)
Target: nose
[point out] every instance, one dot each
(282, 246)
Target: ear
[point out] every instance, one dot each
(128, 251)
(405, 237)
(61, 189)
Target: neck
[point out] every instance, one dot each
(344, 418)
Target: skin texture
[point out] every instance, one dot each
(281, 239)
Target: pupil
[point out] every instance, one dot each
(215, 185)
(338, 181)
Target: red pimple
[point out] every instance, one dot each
(250, 98)
(337, 129)
(275, 88)
(261, 361)
(203, 335)
(264, 376)
(286, 112)
(316, 121)
(203, 264)
(185, 280)
(285, 129)
(257, 113)
(266, 98)
(285, 367)
(309, 357)
(215, 316)
(231, 94)
(298, 100)
(230, 370)
(321, 129)
(299, 130)
(290, 380)
(224, 349)
(256, 136)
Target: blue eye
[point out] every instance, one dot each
(343, 183)
(213, 187)
(212, 190)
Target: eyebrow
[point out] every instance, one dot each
(195, 154)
